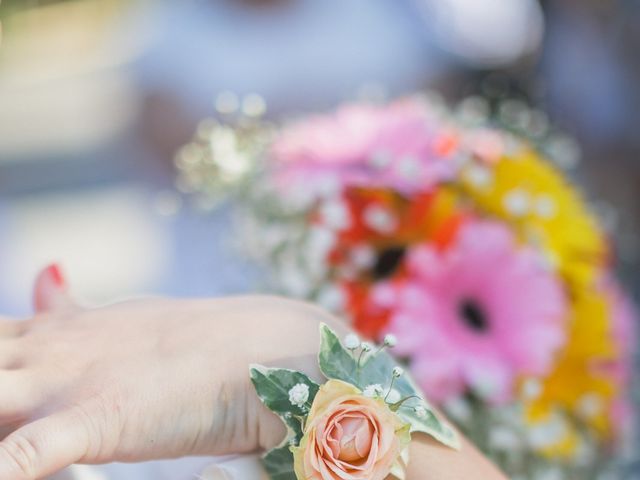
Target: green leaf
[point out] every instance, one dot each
(279, 464)
(430, 423)
(273, 384)
(376, 368)
(335, 361)
(294, 428)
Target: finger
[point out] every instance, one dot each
(43, 447)
(9, 428)
(10, 327)
(18, 397)
(51, 291)
(10, 357)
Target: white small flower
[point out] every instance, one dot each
(584, 453)
(420, 411)
(531, 389)
(565, 151)
(317, 246)
(327, 186)
(380, 159)
(409, 167)
(398, 372)
(253, 105)
(332, 298)
(320, 241)
(300, 195)
(545, 206)
(351, 341)
(373, 390)
(384, 295)
(548, 433)
(299, 394)
(390, 340)
(379, 219)
(487, 384)
(479, 176)
(393, 396)
(590, 405)
(362, 256)
(335, 214)
(293, 281)
(517, 202)
(549, 473)
(458, 408)
(366, 346)
(504, 439)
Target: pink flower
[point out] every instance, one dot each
(476, 315)
(624, 319)
(624, 331)
(350, 437)
(365, 145)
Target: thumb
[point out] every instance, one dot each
(51, 291)
(43, 447)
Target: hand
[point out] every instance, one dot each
(142, 379)
(159, 378)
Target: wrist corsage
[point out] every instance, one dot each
(357, 425)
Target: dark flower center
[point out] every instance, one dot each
(388, 262)
(473, 315)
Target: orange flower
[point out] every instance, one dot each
(350, 437)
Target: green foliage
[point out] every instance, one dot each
(337, 362)
(273, 385)
(359, 369)
(279, 464)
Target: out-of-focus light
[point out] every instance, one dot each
(64, 87)
(474, 110)
(253, 105)
(488, 32)
(565, 151)
(227, 102)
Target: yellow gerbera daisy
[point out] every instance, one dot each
(525, 190)
(576, 386)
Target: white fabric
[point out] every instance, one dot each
(236, 469)
(226, 468)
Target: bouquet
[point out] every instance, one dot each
(463, 239)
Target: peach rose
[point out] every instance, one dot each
(350, 437)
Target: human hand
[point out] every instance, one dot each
(143, 379)
(160, 378)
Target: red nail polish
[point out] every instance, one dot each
(56, 274)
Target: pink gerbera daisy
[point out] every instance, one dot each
(476, 315)
(624, 331)
(394, 145)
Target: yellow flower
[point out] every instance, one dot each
(525, 190)
(576, 387)
(554, 436)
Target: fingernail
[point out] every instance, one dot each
(55, 272)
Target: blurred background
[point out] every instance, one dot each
(96, 96)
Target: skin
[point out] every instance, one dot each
(160, 378)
